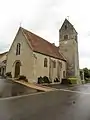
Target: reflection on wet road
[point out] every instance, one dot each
(56, 105)
(82, 88)
(9, 89)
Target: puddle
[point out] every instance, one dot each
(9, 88)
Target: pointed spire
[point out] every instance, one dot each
(68, 22)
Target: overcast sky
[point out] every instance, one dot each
(45, 17)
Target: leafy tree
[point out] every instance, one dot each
(86, 73)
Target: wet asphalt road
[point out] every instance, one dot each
(8, 89)
(57, 105)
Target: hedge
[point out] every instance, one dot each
(22, 77)
(44, 79)
(72, 80)
(8, 74)
(87, 80)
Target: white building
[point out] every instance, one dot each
(33, 56)
(3, 59)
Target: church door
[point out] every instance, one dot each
(17, 69)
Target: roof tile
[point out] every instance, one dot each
(42, 46)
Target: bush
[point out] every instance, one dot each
(22, 77)
(72, 80)
(8, 74)
(45, 79)
(87, 80)
(56, 80)
(40, 80)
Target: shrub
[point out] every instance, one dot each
(56, 80)
(45, 79)
(72, 80)
(87, 80)
(8, 74)
(22, 77)
(40, 80)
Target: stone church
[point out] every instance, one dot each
(32, 56)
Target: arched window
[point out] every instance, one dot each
(60, 63)
(45, 62)
(65, 27)
(65, 37)
(18, 49)
(54, 64)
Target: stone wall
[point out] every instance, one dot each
(69, 48)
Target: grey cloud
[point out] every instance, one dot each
(44, 17)
(84, 54)
(4, 47)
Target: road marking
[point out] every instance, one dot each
(74, 91)
(70, 87)
(86, 85)
(38, 93)
(22, 96)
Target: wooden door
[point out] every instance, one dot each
(17, 69)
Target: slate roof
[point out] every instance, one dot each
(42, 46)
(66, 21)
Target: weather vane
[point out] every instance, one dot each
(20, 23)
(68, 17)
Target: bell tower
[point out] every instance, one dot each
(68, 46)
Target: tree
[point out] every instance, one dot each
(86, 73)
